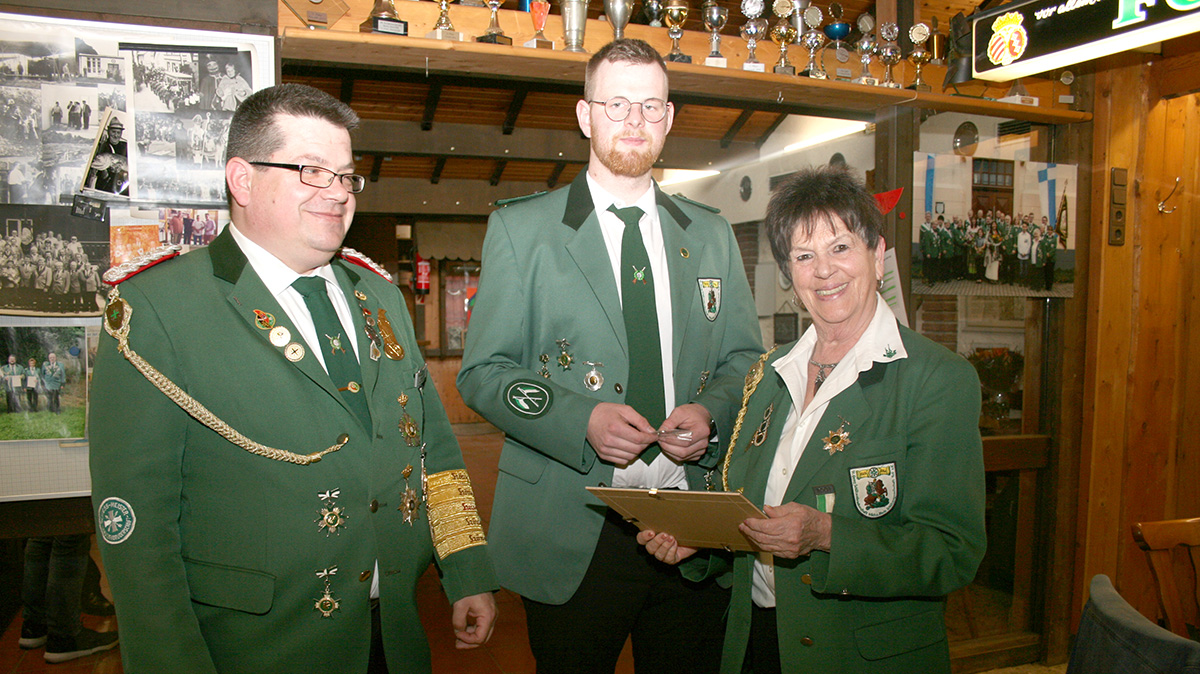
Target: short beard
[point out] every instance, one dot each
(632, 164)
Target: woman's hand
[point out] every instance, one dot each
(664, 547)
(791, 530)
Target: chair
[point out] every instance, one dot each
(1114, 638)
(1158, 539)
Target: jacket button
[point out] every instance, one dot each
(618, 388)
(374, 505)
(807, 641)
(806, 579)
(364, 576)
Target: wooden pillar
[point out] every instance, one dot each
(897, 130)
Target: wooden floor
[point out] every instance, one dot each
(507, 653)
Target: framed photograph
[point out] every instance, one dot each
(787, 328)
(44, 372)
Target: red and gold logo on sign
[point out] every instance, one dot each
(1009, 39)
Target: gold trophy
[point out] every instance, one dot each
(384, 19)
(539, 10)
(494, 34)
(783, 33)
(919, 33)
(676, 13)
(443, 29)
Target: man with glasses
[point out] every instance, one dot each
(609, 353)
(272, 470)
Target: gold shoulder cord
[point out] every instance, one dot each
(753, 377)
(116, 323)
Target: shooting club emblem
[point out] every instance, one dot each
(1009, 39)
(527, 398)
(710, 297)
(116, 520)
(875, 490)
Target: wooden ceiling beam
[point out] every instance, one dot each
(347, 90)
(376, 167)
(437, 170)
(554, 174)
(497, 172)
(770, 130)
(736, 127)
(514, 111)
(431, 103)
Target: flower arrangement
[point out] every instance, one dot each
(998, 368)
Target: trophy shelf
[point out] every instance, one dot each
(343, 44)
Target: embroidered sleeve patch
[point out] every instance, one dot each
(875, 489)
(527, 398)
(116, 520)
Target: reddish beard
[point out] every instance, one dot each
(631, 163)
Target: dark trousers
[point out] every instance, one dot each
(31, 397)
(52, 401)
(676, 625)
(763, 654)
(376, 663)
(52, 582)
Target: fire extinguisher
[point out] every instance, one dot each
(421, 280)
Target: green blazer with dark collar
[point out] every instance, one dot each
(546, 277)
(213, 552)
(908, 526)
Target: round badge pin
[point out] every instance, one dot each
(280, 335)
(294, 352)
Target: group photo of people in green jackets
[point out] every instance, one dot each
(44, 383)
(989, 247)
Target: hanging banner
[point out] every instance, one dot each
(1026, 38)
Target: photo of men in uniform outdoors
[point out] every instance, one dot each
(51, 262)
(45, 382)
(985, 226)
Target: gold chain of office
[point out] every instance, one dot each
(117, 322)
(753, 377)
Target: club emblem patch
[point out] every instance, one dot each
(875, 490)
(710, 297)
(528, 399)
(116, 520)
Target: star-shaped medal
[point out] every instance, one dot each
(326, 604)
(838, 440)
(332, 517)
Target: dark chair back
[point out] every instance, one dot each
(1114, 638)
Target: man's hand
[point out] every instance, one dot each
(473, 618)
(618, 433)
(692, 418)
(664, 547)
(791, 530)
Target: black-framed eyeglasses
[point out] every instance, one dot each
(617, 108)
(316, 176)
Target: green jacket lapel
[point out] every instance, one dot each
(349, 280)
(683, 270)
(850, 405)
(588, 250)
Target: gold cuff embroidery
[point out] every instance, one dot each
(453, 520)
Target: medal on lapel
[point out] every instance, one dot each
(564, 359)
(369, 326)
(391, 348)
(409, 503)
(332, 516)
(838, 440)
(703, 382)
(593, 380)
(263, 320)
(326, 603)
(408, 425)
(545, 372)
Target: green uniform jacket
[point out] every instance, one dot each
(216, 569)
(547, 276)
(874, 602)
(53, 376)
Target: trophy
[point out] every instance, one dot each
(938, 43)
(867, 48)
(889, 52)
(715, 18)
(574, 16)
(676, 11)
(919, 33)
(383, 19)
(654, 12)
(783, 33)
(812, 40)
(538, 11)
(754, 29)
(494, 34)
(618, 12)
(837, 31)
(443, 29)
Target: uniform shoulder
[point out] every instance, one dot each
(927, 350)
(507, 201)
(354, 257)
(688, 200)
(130, 268)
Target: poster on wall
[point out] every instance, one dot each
(120, 111)
(44, 370)
(993, 227)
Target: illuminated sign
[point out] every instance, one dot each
(1026, 38)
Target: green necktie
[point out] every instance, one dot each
(340, 361)
(644, 390)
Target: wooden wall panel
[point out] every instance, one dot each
(443, 371)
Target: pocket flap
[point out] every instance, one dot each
(230, 587)
(523, 463)
(900, 635)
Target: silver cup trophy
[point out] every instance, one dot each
(715, 18)
(654, 12)
(676, 11)
(889, 53)
(812, 40)
(783, 33)
(494, 34)
(755, 29)
(383, 19)
(574, 16)
(867, 48)
(618, 12)
(443, 29)
(919, 56)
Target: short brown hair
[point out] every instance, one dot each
(625, 50)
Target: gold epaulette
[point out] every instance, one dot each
(453, 519)
(711, 209)
(355, 257)
(131, 268)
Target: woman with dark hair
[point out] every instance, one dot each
(861, 444)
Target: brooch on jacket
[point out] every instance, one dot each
(838, 440)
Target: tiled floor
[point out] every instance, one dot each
(507, 653)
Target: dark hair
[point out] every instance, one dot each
(625, 50)
(817, 196)
(253, 133)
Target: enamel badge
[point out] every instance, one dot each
(875, 490)
(710, 296)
